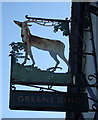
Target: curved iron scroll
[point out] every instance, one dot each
(94, 106)
(13, 87)
(62, 25)
(92, 78)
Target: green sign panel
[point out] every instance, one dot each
(32, 75)
(48, 101)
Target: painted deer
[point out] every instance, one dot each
(54, 47)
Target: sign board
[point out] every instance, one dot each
(48, 101)
(32, 75)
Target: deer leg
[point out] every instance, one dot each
(25, 59)
(65, 60)
(31, 56)
(26, 53)
(54, 56)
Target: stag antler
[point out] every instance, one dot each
(40, 21)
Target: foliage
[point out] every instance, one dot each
(16, 47)
(63, 26)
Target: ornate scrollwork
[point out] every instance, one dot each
(94, 107)
(92, 78)
(62, 25)
(13, 87)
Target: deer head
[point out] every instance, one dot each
(20, 24)
(25, 32)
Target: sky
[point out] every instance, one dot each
(11, 32)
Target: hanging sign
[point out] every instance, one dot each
(32, 75)
(48, 101)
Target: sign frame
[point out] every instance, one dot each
(48, 101)
(28, 74)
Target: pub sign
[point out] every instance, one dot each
(48, 101)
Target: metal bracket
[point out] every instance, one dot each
(63, 25)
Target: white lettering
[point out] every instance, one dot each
(27, 99)
(20, 99)
(51, 99)
(45, 99)
(60, 100)
(38, 99)
(33, 99)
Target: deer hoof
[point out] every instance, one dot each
(32, 65)
(23, 63)
(52, 69)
